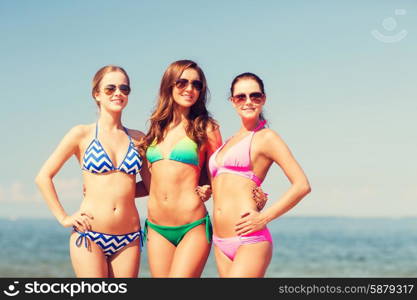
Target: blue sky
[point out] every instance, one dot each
(343, 99)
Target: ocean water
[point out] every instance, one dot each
(303, 247)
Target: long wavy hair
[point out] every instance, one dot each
(163, 114)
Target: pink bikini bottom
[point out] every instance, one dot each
(230, 245)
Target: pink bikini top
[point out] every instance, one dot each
(237, 159)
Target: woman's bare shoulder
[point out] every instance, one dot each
(81, 130)
(268, 137)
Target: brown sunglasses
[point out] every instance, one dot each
(255, 97)
(111, 88)
(182, 83)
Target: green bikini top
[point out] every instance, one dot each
(185, 151)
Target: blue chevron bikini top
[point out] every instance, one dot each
(96, 160)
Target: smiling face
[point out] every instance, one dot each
(248, 98)
(112, 94)
(188, 95)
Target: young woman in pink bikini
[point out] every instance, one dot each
(243, 243)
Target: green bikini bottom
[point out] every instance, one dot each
(175, 234)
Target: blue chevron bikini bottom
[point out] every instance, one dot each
(109, 243)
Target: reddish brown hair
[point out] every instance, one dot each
(163, 113)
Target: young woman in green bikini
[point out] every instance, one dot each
(181, 137)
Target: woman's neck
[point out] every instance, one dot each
(180, 115)
(249, 125)
(110, 121)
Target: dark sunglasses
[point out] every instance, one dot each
(111, 88)
(255, 97)
(183, 83)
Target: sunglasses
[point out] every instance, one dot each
(256, 97)
(111, 88)
(183, 83)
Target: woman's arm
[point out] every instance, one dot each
(214, 141)
(142, 187)
(276, 150)
(66, 148)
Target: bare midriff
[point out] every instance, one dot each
(172, 197)
(110, 199)
(232, 196)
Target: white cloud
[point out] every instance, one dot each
(2, 194)
(17, 192)
(70, 188)
(409, 192)
(366, 200)
(21, 192)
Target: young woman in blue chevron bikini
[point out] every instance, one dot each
(106, 237)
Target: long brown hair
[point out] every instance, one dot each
(163, 114)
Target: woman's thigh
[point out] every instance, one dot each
(191, 253)
(160, 253)
(222, 261)
(87, 261)
(251, 260)
(125, 263)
